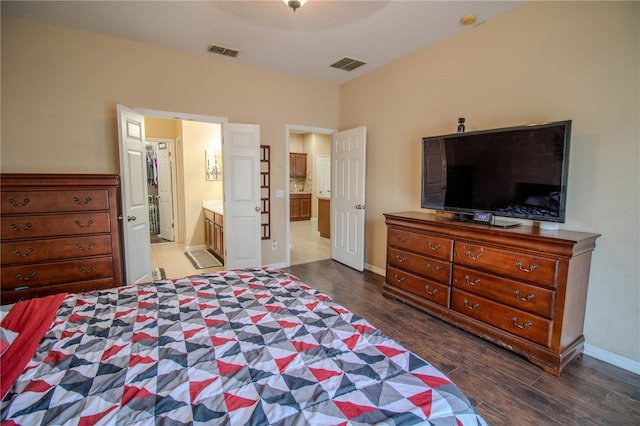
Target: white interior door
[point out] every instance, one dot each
(324, 176)
(135, 205)
(348, 153)
(165, 191)
(241, 186)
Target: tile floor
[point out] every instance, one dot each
(306, 246)
(306, 243)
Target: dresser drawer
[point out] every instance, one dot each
(538, 269)
(436, 270)
(530, 298)
(16, 252)
(21, 202)
(514, 321)
(23, 227)
(80, 287)
(45, 274)
(422, 287)
(422, 243)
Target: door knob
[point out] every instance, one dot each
(360, 207)
(131, 218)
(257, 208)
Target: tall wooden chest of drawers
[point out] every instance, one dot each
(59, 233)
(523, 288)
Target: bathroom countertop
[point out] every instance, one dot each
(214, 206)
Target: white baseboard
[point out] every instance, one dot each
(375, 269)
(611, 358)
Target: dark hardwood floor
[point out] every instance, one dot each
(505, 387)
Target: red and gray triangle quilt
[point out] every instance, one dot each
(252, 347)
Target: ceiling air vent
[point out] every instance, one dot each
(348, 64)
(222, 50)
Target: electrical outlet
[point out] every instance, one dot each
(274, 245)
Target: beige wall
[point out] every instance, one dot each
(69, 83)
(196, 138)
(162, 128)
(316, 144)
(296, 142)
(542, 61)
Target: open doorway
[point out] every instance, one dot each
(308, 194)
(241, 203)
(161, 189)
(190, 151)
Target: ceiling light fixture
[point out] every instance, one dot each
(468, 20)
(294, 4)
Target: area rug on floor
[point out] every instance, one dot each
(158, 274)
(202, 259)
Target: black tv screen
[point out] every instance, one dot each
(518, 172)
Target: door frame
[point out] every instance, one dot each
(174, 183)
(145, 112)
(289, 128)
(179, 230)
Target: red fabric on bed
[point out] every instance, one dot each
(31, 319)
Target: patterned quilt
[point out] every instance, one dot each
(250, 347)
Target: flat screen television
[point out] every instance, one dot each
(516, 172)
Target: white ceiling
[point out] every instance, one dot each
(267, 33)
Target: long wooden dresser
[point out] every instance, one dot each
(59, 234)
(523, 288)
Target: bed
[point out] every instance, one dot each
(255, 346)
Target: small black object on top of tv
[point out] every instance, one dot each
(517, 172)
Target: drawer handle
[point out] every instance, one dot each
(17, 252)
(521, 327)
(472, 307)
(26, 227)
(431, 292)
(438, 267)
(17, 203)
(522, 268)
(22, 287)
(399, 279)
(529, 297)
(91, 245)
(93, 268)
(473, 257)
(21, 278)
(402, 239)
(433, 247)
(81, 202)
(467, 280)
(400, 259)
(89, 223)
